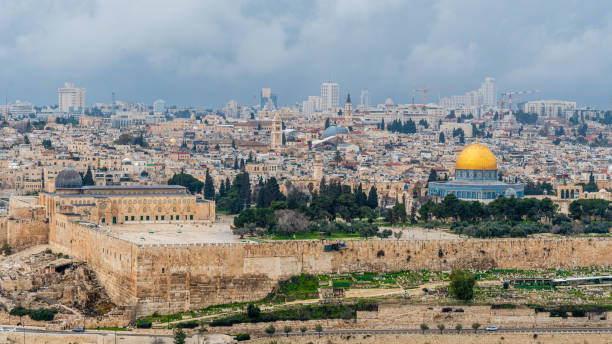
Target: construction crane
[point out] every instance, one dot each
(425, 89)
(506, 97)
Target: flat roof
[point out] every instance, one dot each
(128, 187)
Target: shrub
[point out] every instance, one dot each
(242, 336)
(144, 323)
(42, 314)
(270, 329)
(188, 324)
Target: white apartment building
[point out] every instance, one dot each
(488, 92)
(330, 96)
(71, 99)
(159, 106)
(549, 108)
(232, 109)
(364, 100)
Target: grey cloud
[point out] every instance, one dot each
(207, 52)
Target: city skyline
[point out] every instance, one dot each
(292, 47)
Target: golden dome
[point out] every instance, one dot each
(476, 157)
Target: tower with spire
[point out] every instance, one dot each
(348, 107)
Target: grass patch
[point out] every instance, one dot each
(295, 288)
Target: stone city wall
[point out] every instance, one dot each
(20, 234)
(175, 277)
(170, 278)
(113, 260)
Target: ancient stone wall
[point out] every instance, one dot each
(176, 277)
(20, 234)
(170, 278)
(113, 260)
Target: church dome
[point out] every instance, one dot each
(333, 130)
(476, 157)
(68, 179)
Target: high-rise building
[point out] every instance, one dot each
(268, 98)
(330, 96)
(488, 92)
(232, 109)
(549, 108)
(364, 100)
(159, 106)
(71, 99)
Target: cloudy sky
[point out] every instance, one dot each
(195, 52)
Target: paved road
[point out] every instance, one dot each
(333, 332)
(464, 331)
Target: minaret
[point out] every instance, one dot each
(277, 133)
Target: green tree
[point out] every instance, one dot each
(26, 139)
(209, 187)
(253, 311)
(373, 198)
(424, 328)
(88, 178)
(441, 327)
(475, 326)
(462, 284)
(459, 327)
(326, 123)
(193, 184)
(270, 329)
(47, 144)
(441, 138)
(398, 213)
(179, 336)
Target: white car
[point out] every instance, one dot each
(11, 329)
(491, 328)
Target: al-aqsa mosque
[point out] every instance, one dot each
(476, 178)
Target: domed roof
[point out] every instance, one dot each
(333, 130)
(476, 157)
(68, 179)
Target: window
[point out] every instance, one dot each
(147, 217)
(141, 217)
(171, 217)
(162, 217)
(103, 220)
(132, 218)
(191, 217)
(126, 218)
(156, 217)
(177, 217)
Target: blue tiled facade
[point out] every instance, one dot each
(476, 185)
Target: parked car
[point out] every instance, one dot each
(491, 328)
(78, 329)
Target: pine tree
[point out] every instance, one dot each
(209, 187)
(242, 164)
(88, 178)
(236, 163)
(284, 139)
(326, 123)
(442, 138)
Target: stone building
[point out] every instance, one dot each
(124, 204)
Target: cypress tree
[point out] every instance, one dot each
(373, 198)
(209, 187)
